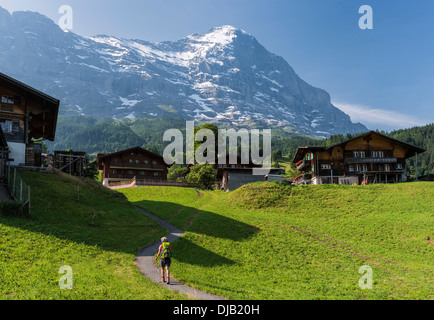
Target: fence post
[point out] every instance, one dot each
(13, 187)
(21, 190)
(28, 188)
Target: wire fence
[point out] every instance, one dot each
(19, 190)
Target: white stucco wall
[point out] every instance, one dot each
(18, 153)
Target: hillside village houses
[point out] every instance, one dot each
(369, 158)
(136, 163)
(25, 114)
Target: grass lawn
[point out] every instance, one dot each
(290, 170)
(61, 232)
(275, 241)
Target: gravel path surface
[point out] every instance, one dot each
(146, 264)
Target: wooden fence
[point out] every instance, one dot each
(144, 182)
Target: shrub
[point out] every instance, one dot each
(202, 176)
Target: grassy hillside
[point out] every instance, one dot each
(274, 241)
(61, 232)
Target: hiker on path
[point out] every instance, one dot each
(165, 254)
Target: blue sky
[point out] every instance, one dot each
(382, 77)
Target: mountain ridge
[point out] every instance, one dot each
(224, 76)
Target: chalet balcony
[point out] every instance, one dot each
(371, 160)
(302, 164)
(302, 179)
(138, 166)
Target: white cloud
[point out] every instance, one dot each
(382, 119)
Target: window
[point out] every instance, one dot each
(326, 167)
(137, 161)
(154, 162)
(399, 166)
(8, 99)
(351, 168)
(8, 126)
(356, 154)
(377, 154)
(142, 173)
(114, 171)
(155, 174)
(146, 161)
(362, 154)
(130, 172)
(364, 168)
(387, 167)
(357, 167)
(2, 124)
(15, 126)
(131, 160)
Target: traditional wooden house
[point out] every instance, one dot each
(25, 114)
(131, 163)
(369, 158)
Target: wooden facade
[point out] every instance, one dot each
(25, 114)
(131, 163)
(70, 162)
(368, 158)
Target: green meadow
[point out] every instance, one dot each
(262, 241)
(276, 241)
(62, 231)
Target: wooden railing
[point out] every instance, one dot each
(122, 184)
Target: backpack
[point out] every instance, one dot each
(165, 250)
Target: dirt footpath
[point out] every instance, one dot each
(147, 266)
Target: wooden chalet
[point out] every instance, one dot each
(25, 114)
(132, 163)
(369, 158)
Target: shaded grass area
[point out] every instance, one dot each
(275, 241)
(61, 231)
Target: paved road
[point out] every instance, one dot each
(147, 266)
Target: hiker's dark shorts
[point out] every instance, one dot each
(165, 262)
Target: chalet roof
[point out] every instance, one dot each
(301, 151)
(109, 155)
(411, 149)
(47, 120)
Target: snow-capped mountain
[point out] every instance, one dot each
(222, 76)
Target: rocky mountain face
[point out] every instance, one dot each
(224, 76)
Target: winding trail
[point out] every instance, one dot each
(147, 266)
